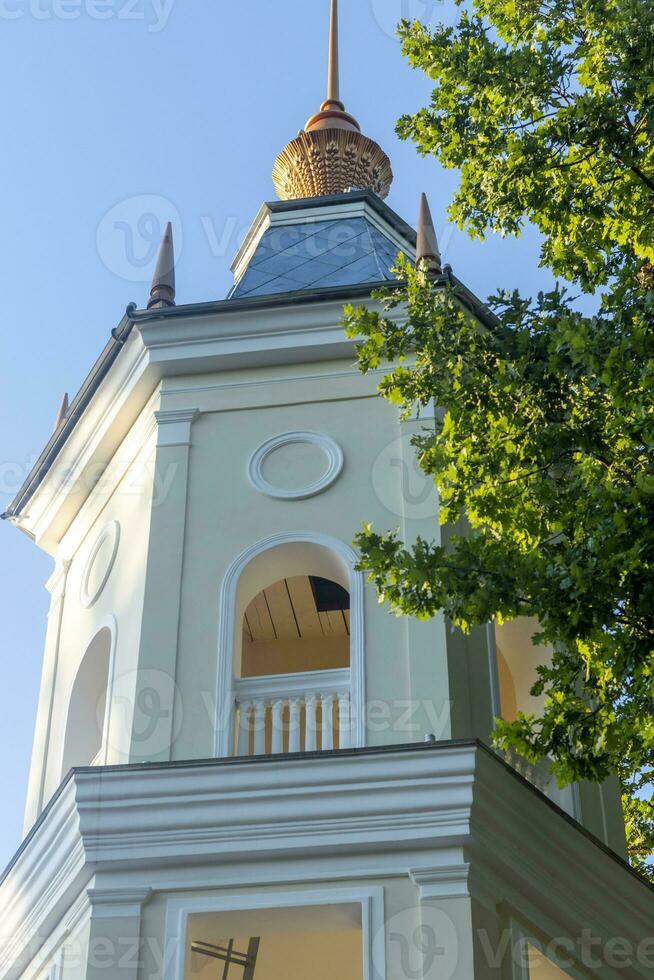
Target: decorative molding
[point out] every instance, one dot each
(118, 903)
(56, 584)
(77, 912)
(228, 339)
(111, 533)
(234, 825)
(331, 161)
(90, 445)
(330, 448)
(174, 426)
(227, 627)
(450, 881)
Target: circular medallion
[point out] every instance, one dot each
(296, 465)
(99, 564)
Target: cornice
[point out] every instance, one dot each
(441, 800)
(553, 862)
(118, 903)
(230, 338)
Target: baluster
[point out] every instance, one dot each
(243, 738)
(277, 727)
(344, 721)
(260, 727)
(294, 725)
(327, 723)
(311, 727)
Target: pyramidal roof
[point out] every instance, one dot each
(313, 243)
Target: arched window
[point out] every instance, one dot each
(84, 741)
(291, 648)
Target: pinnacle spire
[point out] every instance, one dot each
(162, 294)
(333, 76)
(62, 413)
(428, 254)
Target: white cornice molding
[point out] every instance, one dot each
(449, 881)
(118, 903)
(129, 456)
(187, 345)
(308, 813)
(174, 426)
(94, 441)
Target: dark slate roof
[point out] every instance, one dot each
(339, 251)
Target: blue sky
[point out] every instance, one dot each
(112, 110)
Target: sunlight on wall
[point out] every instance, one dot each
(517, 660)
(541, 968)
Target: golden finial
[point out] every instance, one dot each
(331, 156)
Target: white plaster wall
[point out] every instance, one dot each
(226, 515)
(128, 503)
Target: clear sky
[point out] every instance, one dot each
(114, 110)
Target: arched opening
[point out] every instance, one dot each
(87, 709)
(295, 625)
(517, 660)
(291, 648)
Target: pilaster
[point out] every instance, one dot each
(156, 706)
(460, 928)
(56, 585)
(426, 641)
(115, 938)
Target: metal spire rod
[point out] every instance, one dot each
(333, 81)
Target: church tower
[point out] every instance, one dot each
(243, 767)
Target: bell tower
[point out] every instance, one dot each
(243, 766)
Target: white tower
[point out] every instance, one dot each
(243, 766)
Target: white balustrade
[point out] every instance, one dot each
(305, 712)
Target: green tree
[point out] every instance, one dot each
(545, 438)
